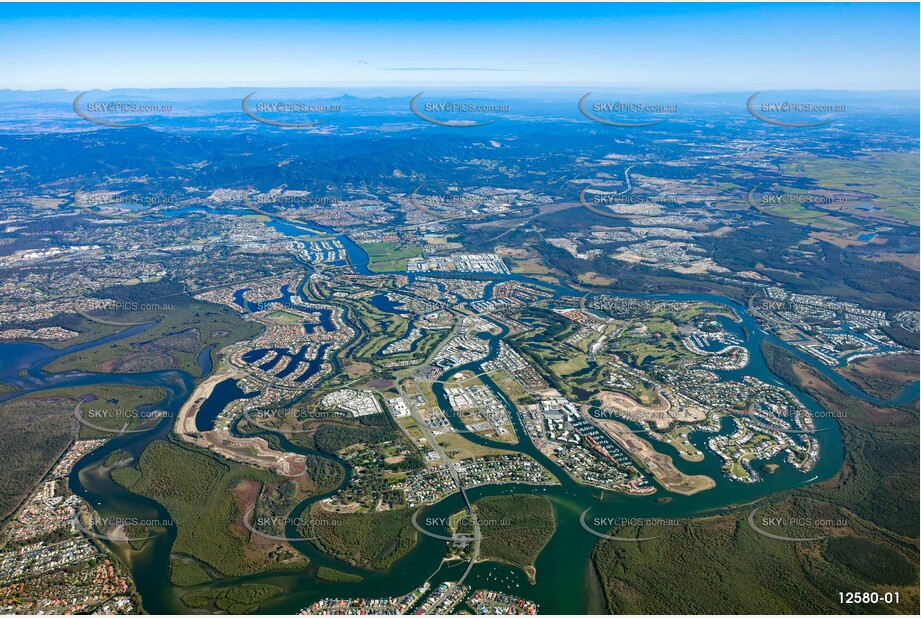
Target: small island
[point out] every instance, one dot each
(514, 530)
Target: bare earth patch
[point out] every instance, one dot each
(659, 465)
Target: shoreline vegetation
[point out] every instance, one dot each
(883, 377)
(254, 451)
(42, 425)
(206, 497)
(869, 537)
(229, 474)
(659, 465)
(515, 529)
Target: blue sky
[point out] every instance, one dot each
(661, 46)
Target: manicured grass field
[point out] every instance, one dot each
(388, 257)
(284, 317)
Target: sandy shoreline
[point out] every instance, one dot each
(253, 451)
(658, 464)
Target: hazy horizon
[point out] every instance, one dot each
(714, 47)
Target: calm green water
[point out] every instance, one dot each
(565, 583)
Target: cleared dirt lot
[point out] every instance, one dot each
(659, 465)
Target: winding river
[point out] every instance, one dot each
(566, 583)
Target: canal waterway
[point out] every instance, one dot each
(566, 583)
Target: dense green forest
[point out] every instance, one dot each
(719, 564)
